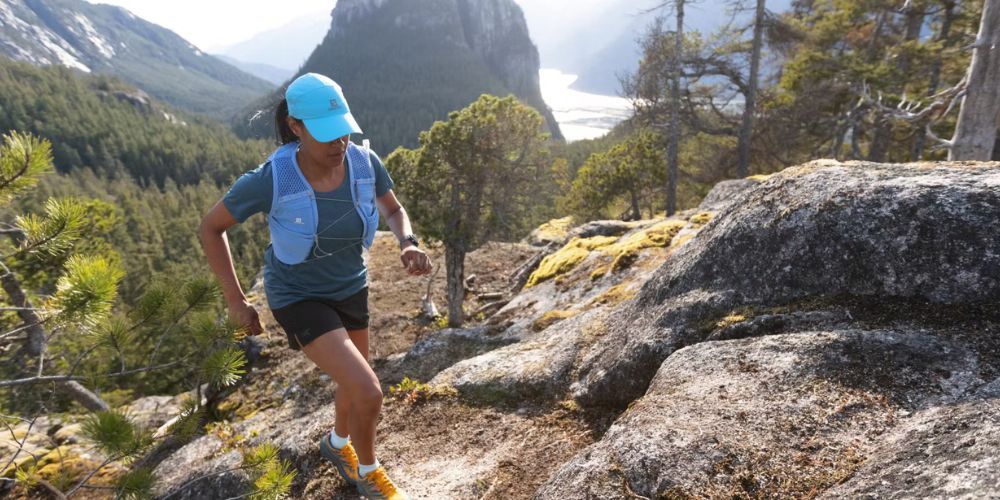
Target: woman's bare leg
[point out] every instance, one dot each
(338, 357)
(343, 402)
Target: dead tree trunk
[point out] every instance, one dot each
(673, 142)
(749, 107)
(427, 306)
(947, 18)
(976, 131)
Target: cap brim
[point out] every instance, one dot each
(332, 127)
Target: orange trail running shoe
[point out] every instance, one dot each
(345, 459)
(377, 486)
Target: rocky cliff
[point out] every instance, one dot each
(829, 331)
(110, 40)
(407, 63)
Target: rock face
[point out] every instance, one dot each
(942, 452)
(831, 331)
(724, 192)
(887, 232)
(404, 64)
(439, 351)
(497, 31)
(821, 330)
(760, 411)
(111, 40)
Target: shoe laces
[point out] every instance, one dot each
(349, 456)
(382, 481)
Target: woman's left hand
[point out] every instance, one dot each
(416, 262)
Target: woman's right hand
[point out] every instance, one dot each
(246, 316)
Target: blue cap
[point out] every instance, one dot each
(320, 104)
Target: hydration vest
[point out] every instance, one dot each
(293, 220)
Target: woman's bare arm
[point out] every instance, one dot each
(395, 215)
(215, 244)
(414, 259)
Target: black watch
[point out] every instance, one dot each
(411, 238)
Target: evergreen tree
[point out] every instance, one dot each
(71, 345)
(839, 53)
(474, 178)
(630, 174)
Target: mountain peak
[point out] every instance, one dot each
(406, 63)
(347, 10)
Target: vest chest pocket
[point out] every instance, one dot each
(295, 214)
(292, 225)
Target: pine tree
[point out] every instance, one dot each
(74, 340)
(630, 174)
(474, 178)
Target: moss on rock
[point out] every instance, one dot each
(412, 391)
(550, 318)
(600, 272)
(565, 259)
(63, 468)
(614, 296)
(553, 230)
(701, 218)
(626, 251)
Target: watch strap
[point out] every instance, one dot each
(410, 238)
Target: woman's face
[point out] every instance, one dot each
(323, 153)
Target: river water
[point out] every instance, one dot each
(581, 115)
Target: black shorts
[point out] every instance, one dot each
(306, 320)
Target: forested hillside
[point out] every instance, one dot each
(155, 168)
(109, 40)
(106, 125)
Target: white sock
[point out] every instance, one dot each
(364, 470)
(337, 441)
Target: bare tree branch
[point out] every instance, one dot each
(941, 104)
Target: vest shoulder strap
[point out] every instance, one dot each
(287, 178)
(360, 160)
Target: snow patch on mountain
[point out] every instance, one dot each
(94, 37)
(66, 55)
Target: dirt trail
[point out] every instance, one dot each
(435, 447)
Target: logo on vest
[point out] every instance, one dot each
(334, 104)
(298, 220)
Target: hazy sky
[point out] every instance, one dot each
(211, 24)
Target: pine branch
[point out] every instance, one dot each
(63, 225)
(193, 303)
(22, 170)
(67, 378)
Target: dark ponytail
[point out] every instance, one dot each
(284, 132)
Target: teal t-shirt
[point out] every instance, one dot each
(335, 269)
